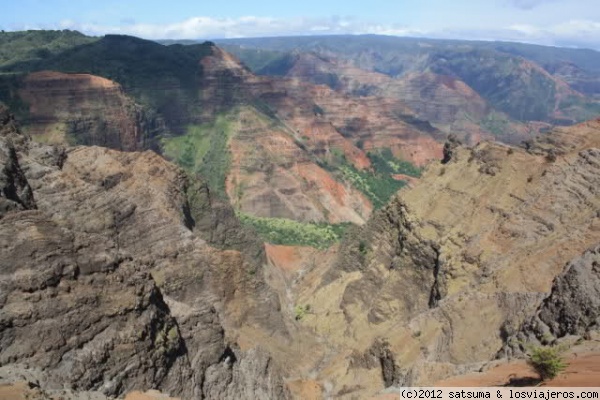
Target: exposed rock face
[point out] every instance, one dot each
(83, 109)
(478, 239)
(15, 192)
(252, 377)
(272, 175)
(449, 148)
(379, 356)
(109, 330)
(443, 100)
(284, 129)
(106, 287)
(572, 308)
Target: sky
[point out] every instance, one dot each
(571, 23)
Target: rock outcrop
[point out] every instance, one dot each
(571, 308)
(108, 286)
(84, 109)
(477, 242)
(15, 192)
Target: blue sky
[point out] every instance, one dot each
(552, 22)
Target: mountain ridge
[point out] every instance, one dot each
(178, 115)
(396, 56)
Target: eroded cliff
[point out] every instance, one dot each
(437, 281)
(108, 285)
(83, 109)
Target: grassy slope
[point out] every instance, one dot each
(377, 184)
(293, 233)
(22, 51)
(204, 150)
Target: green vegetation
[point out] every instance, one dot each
(547, 361)
(165, 78)
(134, 63)
(20, 51)
(292, 233)
(379, 188)
(167, 337)
(377, 184)
(300, 311)
(203, 150)
(498, 124)
(363, 247)
(384, 162)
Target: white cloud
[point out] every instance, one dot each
(529, 4)
(248, 26)
(574, 33)
(582, 33)
(577, 33)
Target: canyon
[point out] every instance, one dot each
(129, 269)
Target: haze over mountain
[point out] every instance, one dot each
(570, 23)
(446, 82)
(293, 217)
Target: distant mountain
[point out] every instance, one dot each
(21, 50)
(444, 101)
(528, 83)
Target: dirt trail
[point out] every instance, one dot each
(583, 371)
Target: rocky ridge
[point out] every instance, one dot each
(283, 132)
(106, 285)
(83, 109)
(571, 309)
(444, 101)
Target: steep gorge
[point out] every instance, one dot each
(288, 149)
(132, 260)
(480, 238)
(119, 271)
